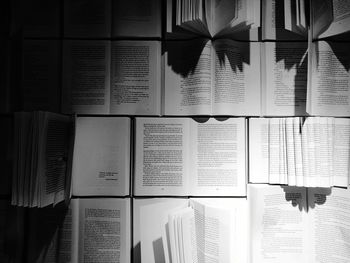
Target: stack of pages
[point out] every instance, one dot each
(299, 151)
(42, 149)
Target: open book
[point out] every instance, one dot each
(274, 224)
(191, 230)
(179, 156)
(118, 77)
(213, 19)
(112, 18)
(304, 152)
(227, 77)
(297, 224)
(328, 91)
(303, 19)
(43, 142)
(90, 230)
(101, 158)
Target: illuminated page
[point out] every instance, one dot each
(162, 156)
(330, 83)
(236, 78)
(135, 77)
(101, 159)
(218, 156)
(188, 78)
(278, 224)
(329, 214)
(104, 230)
(258, 150)
(285, 69)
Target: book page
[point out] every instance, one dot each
(218, 153)
(273, 22)
(135, 77)
(162, 155)
(52, 158)
(339, 16)
(285, 69)
(213, 233)
(87, 19)
(101, 159)
(152, 232)
(329, 215)
(86, 76)
(330, 84)
(223, 12)
(41, 75)
(236, 78)
(104, 230)
(51, 235)
(136, 18)
(321, 15)
(341, 152)
(236, 229)
(188, 78)
(278, 224)
(258, 150)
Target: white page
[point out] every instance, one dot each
(151, 221)
(135, 77)
(104, 230)
(101, 159)
(330, 85)
(136, 18)
(162, 156)
(274, 151)
(258, 150)
(86, 76)
(290, 151)
(286, 78)
(341, 152)
(277, 225)
(237, 227)
(218, 152)
(188, 78)
(329, 215)
(87, 19)
(236, 78)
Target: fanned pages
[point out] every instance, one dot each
(312, 152)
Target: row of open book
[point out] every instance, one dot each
(185, 19)
(272, 224)
(173, 156)
(193, 77)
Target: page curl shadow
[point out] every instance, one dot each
(320, 196)
(293, 194)
(183, 56)
(296, 58)
(236, 56)
(158, 250)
